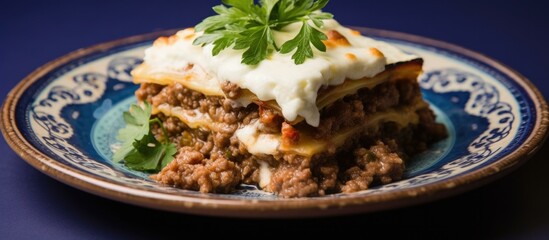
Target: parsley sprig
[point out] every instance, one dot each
(247, 26)
(140, 150)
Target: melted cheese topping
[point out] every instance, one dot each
(293, 87)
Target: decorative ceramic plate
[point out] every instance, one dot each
(63, 119)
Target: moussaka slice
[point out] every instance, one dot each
(341, 121)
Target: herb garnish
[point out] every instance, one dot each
(250, 26)
(140, 150)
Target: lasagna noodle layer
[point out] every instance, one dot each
(194, 78)
(271, 143)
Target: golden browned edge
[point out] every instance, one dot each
(216, 205)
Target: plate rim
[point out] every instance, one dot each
(300, 207)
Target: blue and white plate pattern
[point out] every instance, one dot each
(70, 115)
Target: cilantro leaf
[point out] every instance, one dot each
(245, 25)
(307, 35)
(140, 150)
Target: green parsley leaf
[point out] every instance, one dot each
(307, 35)
(137, 126)
(227, 16)
(243, 5)
(268, 5)
(257, 41)
(140, 150)
(149, 154)
(318, 5)
(244, 25)
(318, 17)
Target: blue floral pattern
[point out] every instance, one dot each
(54, 131)
(83, 89)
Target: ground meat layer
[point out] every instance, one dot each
(191, 170)
(216, 161)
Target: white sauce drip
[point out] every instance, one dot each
(257, 142)
(264, 174)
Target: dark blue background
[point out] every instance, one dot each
(34, 206)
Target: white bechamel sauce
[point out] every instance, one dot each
(264, 174)
(257, 142)
(294, 87)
